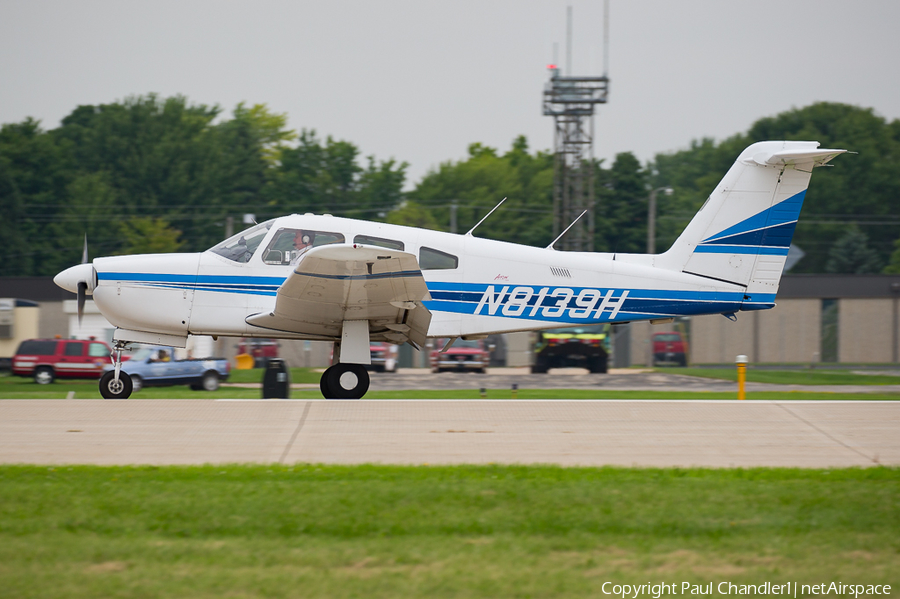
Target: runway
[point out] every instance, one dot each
(565, 432)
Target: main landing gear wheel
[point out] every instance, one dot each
(344, 381)
(110, 388)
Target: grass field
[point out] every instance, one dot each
(490, 531)
(790, 377)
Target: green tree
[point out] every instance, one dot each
(621, 213)
(269, 129)
(411, 214)
(477, 184)
(91, 211)
(33, 180)
(144, 235)
(893, 265)
(326, 177)
(379, 188)
(860, 191)
(163, 165)
(851, 254)
(156, 154)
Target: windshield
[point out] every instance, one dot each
(240, 247)
(460, 342)
(142, 354)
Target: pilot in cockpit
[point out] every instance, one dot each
(303, 240)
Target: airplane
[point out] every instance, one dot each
(348, 281)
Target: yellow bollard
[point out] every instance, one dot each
(741, 362)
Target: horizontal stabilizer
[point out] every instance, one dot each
(817, 157)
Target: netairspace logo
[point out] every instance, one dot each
(789, 589)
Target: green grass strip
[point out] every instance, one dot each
(88, 390)
(465, 531)
(788, 377)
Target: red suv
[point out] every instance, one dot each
(46, 359)
(669, 348)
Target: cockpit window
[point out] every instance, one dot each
(240, 247)
(289, 244)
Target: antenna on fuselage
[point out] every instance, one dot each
(485, 217)
(550, 247)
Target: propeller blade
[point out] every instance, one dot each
(82, 293)
(84, 255)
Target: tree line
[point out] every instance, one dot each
(151, 174)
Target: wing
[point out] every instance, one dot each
(335, 283)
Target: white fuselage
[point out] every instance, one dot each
(495, 287)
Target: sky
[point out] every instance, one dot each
(419, 81)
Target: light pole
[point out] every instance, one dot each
(651, 218)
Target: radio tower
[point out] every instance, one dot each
(570, 101)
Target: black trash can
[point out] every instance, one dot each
(276, 380)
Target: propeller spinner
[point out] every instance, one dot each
(79, 280)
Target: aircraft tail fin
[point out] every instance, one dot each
(743, 232)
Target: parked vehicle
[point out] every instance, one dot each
(472, 355)
(575, 347)
(384, 357)
(47, 359)
(669, 348)
(157, 366)
(262, 350)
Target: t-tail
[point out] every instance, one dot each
(743, 232)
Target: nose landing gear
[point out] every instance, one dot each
(115, 384)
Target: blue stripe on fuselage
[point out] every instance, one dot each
(569, 305)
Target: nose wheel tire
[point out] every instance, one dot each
(113, 389)
(344, 381)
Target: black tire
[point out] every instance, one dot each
(210, 381)
(137, 383)
(323, 386)
(345, 381)
(599, 365)
(109, 389)
(44, 375)
(539, 369)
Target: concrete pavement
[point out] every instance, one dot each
(565, 432)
